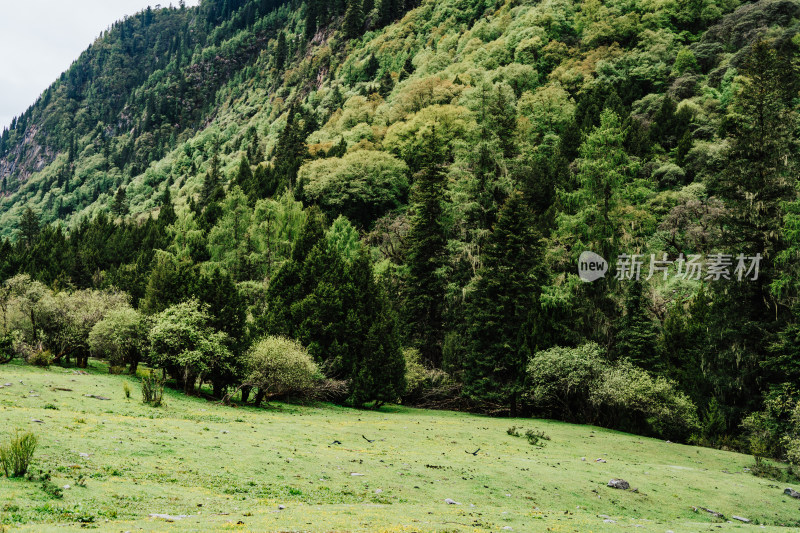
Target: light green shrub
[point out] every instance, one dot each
(43, 358)
(629, 398)
(561, 380)
(420, 379)
(279, 366)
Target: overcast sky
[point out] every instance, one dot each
(39, 39)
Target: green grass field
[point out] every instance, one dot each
(228, 468)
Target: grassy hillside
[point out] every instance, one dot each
(231, 468)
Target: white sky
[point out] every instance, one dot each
(39, 39)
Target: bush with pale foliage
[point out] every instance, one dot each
(632, 399)
(279, 366)
(119, 338)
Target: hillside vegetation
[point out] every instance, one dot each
(404, 188)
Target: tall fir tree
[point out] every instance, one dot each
(759, 190)
(244, 175)
(119, 206)
(503, 310)
(281, 51)
(313, 16)
(353, 19)
(425, 285)
(637, 333)
(379, 373)
(29, 226)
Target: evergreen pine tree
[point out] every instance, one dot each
(502, 313)
(637, 334)
(388, 11)
(280, 51)
(212, 189)
(367, 7)
(353, 19)
(166, 215)
(424, 291)
(227, 311)
(370, 68)
(120, 205)
(759, 190)
(244, 176)
(379, 375)
(408, 68)
(387, 84)
(285, 289)
(29, 226)
(170, 282)
(338, 150)
(313, 14)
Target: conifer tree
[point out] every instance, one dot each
(424, 292)
(503, 311)
(244, 176)
(280, 51)
(379, 375)
(408, 68)
(602, 171)
(387, 84)
(757, 188)
(170, 283)
(120, 205)
(226, 309)
(212, 189)
(29, 226)
(637, 334)
(353, 19)
(757, 178)
(285, 289)
(291, 149)
(166, 215)
(389, 11)
(313, 15)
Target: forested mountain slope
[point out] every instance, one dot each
(465, 152)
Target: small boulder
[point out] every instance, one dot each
(619, 484)
(740, 519)
(449, 501)
(792, 493)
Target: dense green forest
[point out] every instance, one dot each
(381, 201)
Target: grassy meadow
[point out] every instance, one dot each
(210, 467)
